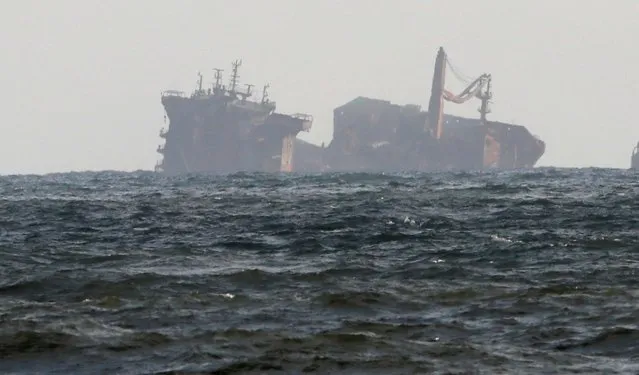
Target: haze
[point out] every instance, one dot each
(81, 79)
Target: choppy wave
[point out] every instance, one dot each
(505, 272)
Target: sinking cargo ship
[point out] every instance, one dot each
(634, 160)
(221, 130)
(372, 135)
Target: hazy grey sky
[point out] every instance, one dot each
(81, 79)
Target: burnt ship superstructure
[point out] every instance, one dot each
(222, 130)
(376, 135)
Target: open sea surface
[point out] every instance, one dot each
(530, 272)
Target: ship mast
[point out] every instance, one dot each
(265, 93)
(235, 76)
(218, 81)
(199, 82)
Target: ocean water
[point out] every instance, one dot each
(529, 272)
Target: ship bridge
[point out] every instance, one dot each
(222, 130)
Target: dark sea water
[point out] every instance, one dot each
(497, 273)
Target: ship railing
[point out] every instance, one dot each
(302, 116)
(175, 93)
(201, 93)
(307, 120)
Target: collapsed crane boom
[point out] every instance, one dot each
(473, 90)
(436, 104)
(439, 94)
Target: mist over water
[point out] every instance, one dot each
(504, 272)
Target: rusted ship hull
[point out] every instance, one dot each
(375, 135)
(221, 131)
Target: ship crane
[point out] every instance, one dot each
(473, 90)
(439, 94)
